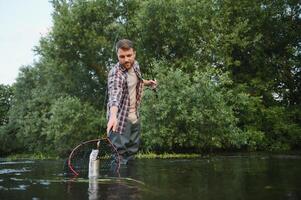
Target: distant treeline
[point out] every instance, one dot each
(229, 74)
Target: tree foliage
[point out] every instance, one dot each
(195, 111)
(72, 121)
(6, 95)
(228, 71)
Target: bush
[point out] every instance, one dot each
(192, 111)
(282, 131)
(72, 122)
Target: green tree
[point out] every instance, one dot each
(6, 95)
(73, 61)
(8, 141)
(229, 73)
(70, 122)
(194, 111)
(259, 45)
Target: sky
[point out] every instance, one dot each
(22, 23)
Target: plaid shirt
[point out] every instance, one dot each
(119, 94)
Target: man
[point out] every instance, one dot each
(125, 85)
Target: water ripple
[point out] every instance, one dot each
(20, 187)
(10, 171)
(16, 162)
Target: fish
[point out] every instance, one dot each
(94, 164)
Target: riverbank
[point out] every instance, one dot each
(32, 156)
(148, 155)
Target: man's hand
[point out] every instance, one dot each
(150, 83)
(112, 123)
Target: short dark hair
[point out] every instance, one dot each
(124, 44)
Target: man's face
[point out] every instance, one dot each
(126, 57)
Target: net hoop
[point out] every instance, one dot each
(70, 166)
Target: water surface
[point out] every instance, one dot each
(235, 176)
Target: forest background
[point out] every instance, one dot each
(228, 71)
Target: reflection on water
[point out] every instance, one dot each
(16, 162)
(15, 171)
(119, 189)
(213, 177)
(93, 189)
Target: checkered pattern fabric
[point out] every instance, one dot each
(119, 94)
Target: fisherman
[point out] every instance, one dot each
(125, 85)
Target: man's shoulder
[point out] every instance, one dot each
(116, 71)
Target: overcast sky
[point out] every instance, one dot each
(22, 23)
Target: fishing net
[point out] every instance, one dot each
(104, 159)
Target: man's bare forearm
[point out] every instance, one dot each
(113, 111)
(112, 123)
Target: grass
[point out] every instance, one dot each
(146, 155)
(151, 155)
(32, 156)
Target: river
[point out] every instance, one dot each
(231, 176)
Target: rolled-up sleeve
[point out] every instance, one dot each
(114, 88)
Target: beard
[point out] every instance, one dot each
(128, 65)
